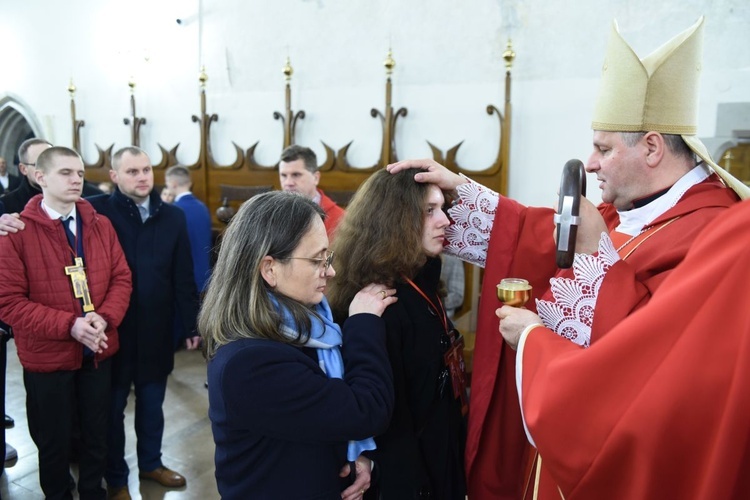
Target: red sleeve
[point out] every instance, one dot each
(657, 408)
(620, 294)
(16, 308)
(521, 245)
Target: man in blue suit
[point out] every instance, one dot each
(178, 184)
(177, 180)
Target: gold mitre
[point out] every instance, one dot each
(657, 93)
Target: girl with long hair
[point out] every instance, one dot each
(393, 233)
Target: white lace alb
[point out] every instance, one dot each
(469, 235)
(571, 314)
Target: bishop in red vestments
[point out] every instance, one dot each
(658, 408)
(660, 187)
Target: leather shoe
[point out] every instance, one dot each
(164, 477)
(10, 452)
(118, 493)
(9, 422)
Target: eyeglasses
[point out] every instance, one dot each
(324, 263)
(29, 164)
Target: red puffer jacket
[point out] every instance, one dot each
(36, 296)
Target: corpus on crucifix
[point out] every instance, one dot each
(77, 273)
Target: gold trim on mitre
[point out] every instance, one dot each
(739, 187)
(657, 93)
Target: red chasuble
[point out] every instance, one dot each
(659, 408)
(521, 246)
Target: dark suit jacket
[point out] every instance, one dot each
(199, 231)
(13, 182)
(158, 253)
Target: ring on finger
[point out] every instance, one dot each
(385, 294)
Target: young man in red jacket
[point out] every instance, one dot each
(66, 287)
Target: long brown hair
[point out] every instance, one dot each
(380, 238)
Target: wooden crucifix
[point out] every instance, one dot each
(80, 284)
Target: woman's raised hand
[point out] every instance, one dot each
(372, 299)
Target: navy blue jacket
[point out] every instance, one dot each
(158, 253)
(199, 232)
(281, 426)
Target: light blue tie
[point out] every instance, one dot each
(144, 213)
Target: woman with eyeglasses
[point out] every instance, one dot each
(393, 233)
(293, 398)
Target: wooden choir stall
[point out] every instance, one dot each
(225, 187)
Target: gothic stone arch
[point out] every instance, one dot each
(17, 123)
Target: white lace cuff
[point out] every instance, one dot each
(571, 313)
(469, 235)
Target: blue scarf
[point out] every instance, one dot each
(325, 338)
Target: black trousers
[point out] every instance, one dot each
(3, 360)
(51, 399)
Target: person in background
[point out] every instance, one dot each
(393, 233)
(8, 181)
(452, 275)
(298, 173)
(292, 396)
(106, 187)
(13, 202)
(155, 239)
(167, 196)
(198, 217)
(178, 184)
(10, 453)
